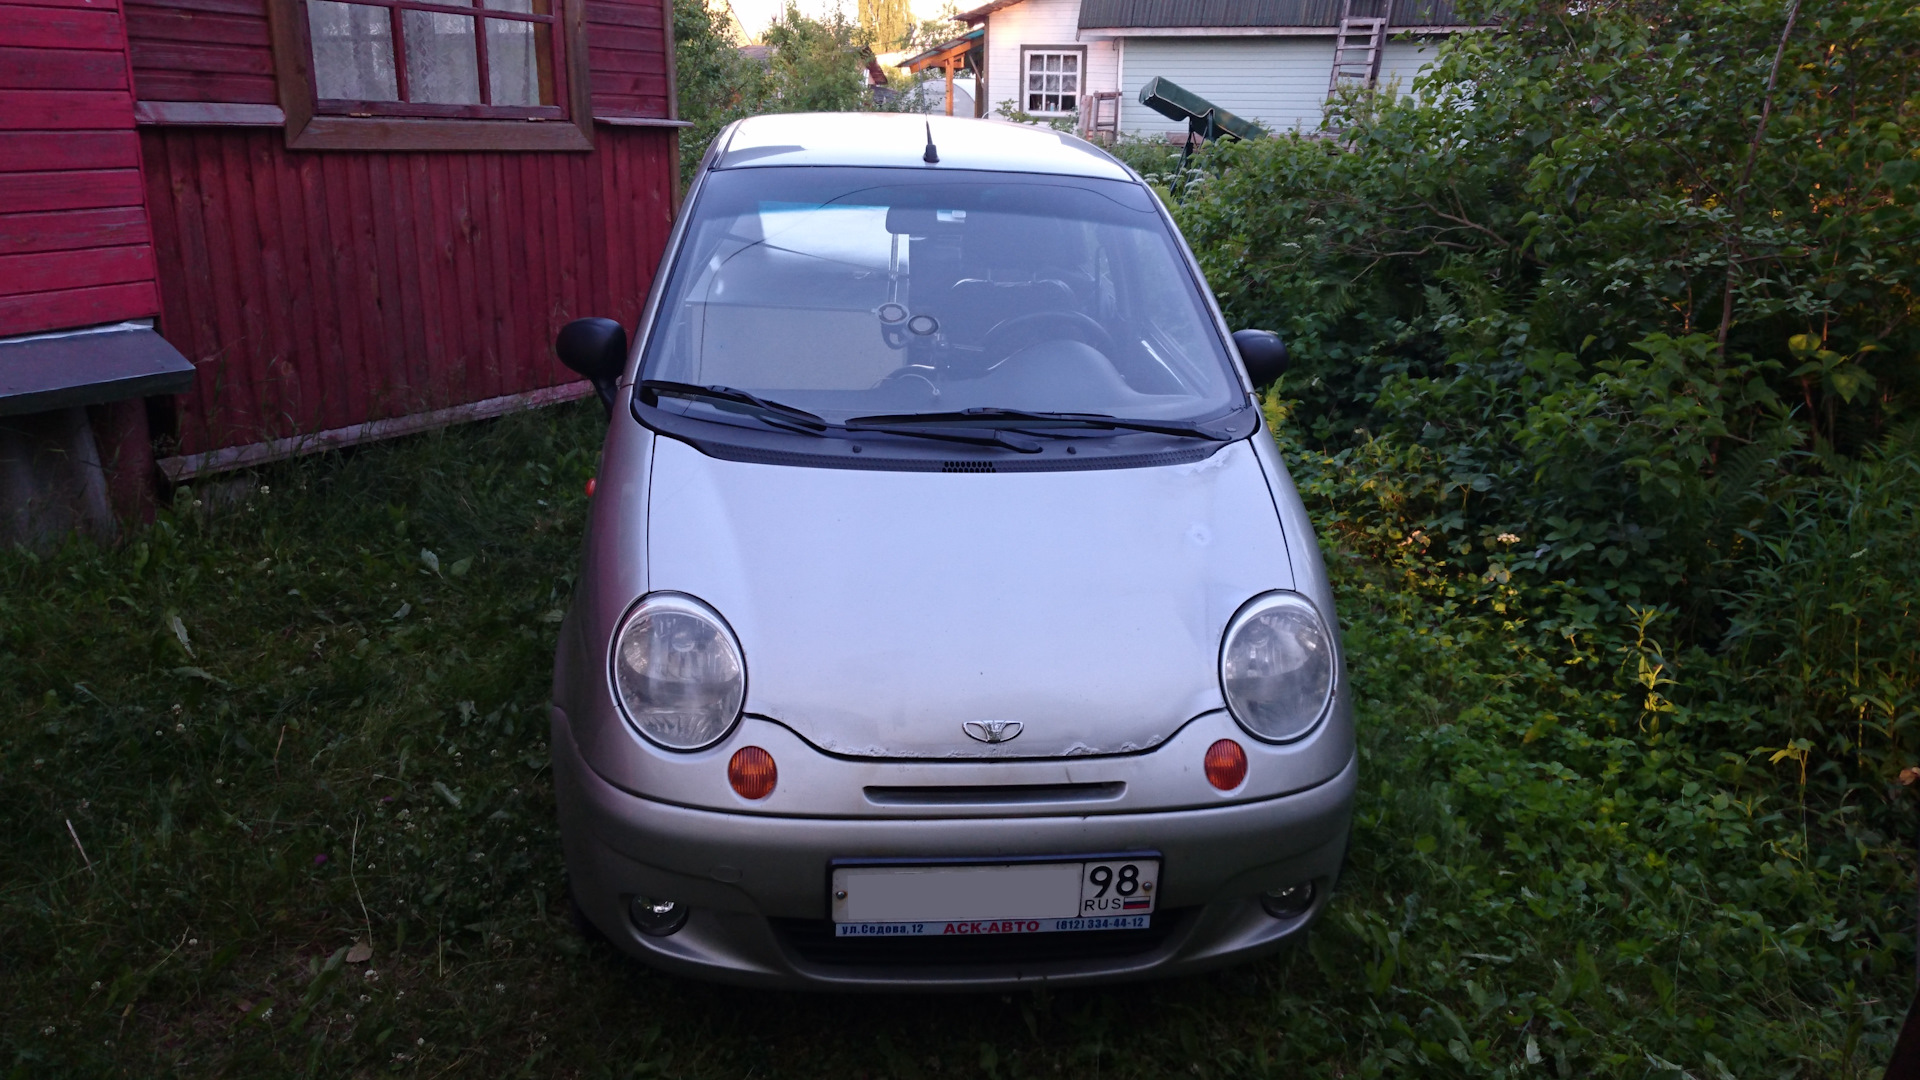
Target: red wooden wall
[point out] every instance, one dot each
(74, 244)
(627, 55)
(321, 289)
(201, 50)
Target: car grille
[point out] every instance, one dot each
(813, 940)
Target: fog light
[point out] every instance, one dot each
(1226, 765)
(656, 918)
(752, 772)
(1290, 902)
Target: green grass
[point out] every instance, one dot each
(342, 741)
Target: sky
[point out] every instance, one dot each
(754, 15)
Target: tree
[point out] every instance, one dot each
(818, 65)
(887, 23)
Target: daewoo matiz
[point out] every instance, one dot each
(947, 618)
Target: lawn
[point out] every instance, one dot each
(277, 803)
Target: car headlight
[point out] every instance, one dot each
(678, 671)
(1276, 666)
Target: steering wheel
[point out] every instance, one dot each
(1012, 335)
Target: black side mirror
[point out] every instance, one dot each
(1264, 354)
(596, 348)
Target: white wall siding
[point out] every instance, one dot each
(1041, 23)
(1279, 81)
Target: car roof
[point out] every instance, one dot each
(899, 140)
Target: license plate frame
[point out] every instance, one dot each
(1022, 894)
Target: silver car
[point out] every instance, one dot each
(947, 619)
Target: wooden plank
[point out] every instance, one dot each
(529, 248)
(624, 37)
(465, 309)
(400, 235)
(566, 233)
(612, 13)
(153, 24)
(62, 69)
(200, 57)
(239, 404)
(188, 466)
(503, 298)
(623, 226)
(430, 313)
(38, 312)
(614, 109)
(395, 315)
(208, 114)
(70, 230)
(65, 110)
(256, 9)
(235, 196)
(48, 270)
(45, 27)
(277, 299)
(368, 394)
(180, 244)
(602, 117)
(628, 61)
(175, 322)
(633, 84)
(156, 85)
(590, 175)
(308, 353)
(328, 317)
(27, 192)
(55, 151)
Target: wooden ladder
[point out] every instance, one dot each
(1357, 49)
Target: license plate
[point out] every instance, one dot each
(994, 898)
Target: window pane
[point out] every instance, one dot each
(1053, 62)
(442, 66)
(1070, 83)
(352, 51)
(524, 7)
(519, 62)
(1036, 61)
(1035, 104)
(1069, 63)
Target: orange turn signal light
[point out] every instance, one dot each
(1226, 765)
(752, 772)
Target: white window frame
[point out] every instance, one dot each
(1079, 55)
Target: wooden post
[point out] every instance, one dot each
(949, 70)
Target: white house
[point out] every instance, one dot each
(1272, 61)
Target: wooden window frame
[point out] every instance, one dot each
(410, 126)
(1078, 50)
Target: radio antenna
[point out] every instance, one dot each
(932, 156)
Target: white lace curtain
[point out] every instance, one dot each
(353, 55)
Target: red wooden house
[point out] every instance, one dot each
(232, 230)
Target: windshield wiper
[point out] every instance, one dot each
(976, 436)
(1097, 420)
(732, 400)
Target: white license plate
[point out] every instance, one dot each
(997, 898)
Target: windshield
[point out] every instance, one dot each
(859, 291)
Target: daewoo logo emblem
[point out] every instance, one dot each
(992, 731)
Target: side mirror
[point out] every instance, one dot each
(596, 348)
(1264, 354)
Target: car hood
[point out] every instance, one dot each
(883, 612)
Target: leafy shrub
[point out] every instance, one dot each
(1631, 286)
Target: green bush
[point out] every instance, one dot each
(1631, 287)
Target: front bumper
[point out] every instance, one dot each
(757, 884)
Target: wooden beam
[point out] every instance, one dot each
(188, 466)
